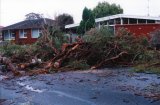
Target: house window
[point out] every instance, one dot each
(6, 35)
(22, 34)
(125, 21)
(35, 33)
(132, 21)
(13, 35)
(141, 21)
(152, 21)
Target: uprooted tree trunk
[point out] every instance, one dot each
(10, 65)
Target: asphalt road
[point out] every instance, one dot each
(98, 87)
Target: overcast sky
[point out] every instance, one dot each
(12, 11)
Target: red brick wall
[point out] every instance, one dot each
(139, 29)
(28, 40)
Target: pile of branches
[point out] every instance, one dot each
(111, 55)
(52, 52)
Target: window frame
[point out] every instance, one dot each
(23, 33)
(6, 35)
(39, 32)
(13, 35)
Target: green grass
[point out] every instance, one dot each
(143, 69)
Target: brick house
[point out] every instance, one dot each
(138, 25)
(25, 32)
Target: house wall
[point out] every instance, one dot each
(139, 29)
(28, 40)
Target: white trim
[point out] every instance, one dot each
(128, 21)
(121, 21)
(126, 16)
(72, 25)
(109, 25)
(9, 33)
(146, 21)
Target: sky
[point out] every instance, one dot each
(12, 11)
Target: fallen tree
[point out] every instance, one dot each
(52, 52)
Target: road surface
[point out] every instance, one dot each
(89, 87)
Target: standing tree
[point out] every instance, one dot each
(106, 9)
(88, 21)
(32, 16)
(63, 19)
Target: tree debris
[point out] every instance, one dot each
(10, 65)
(52, 52)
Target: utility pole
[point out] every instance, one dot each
(148, 8)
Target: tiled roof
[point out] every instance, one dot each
(37, 23)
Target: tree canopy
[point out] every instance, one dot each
(88, 21)
(106, 9)
(32, 16)
(64, 19)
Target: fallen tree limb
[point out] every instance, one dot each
(58, 62)
(109, 60)
(58, 59)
